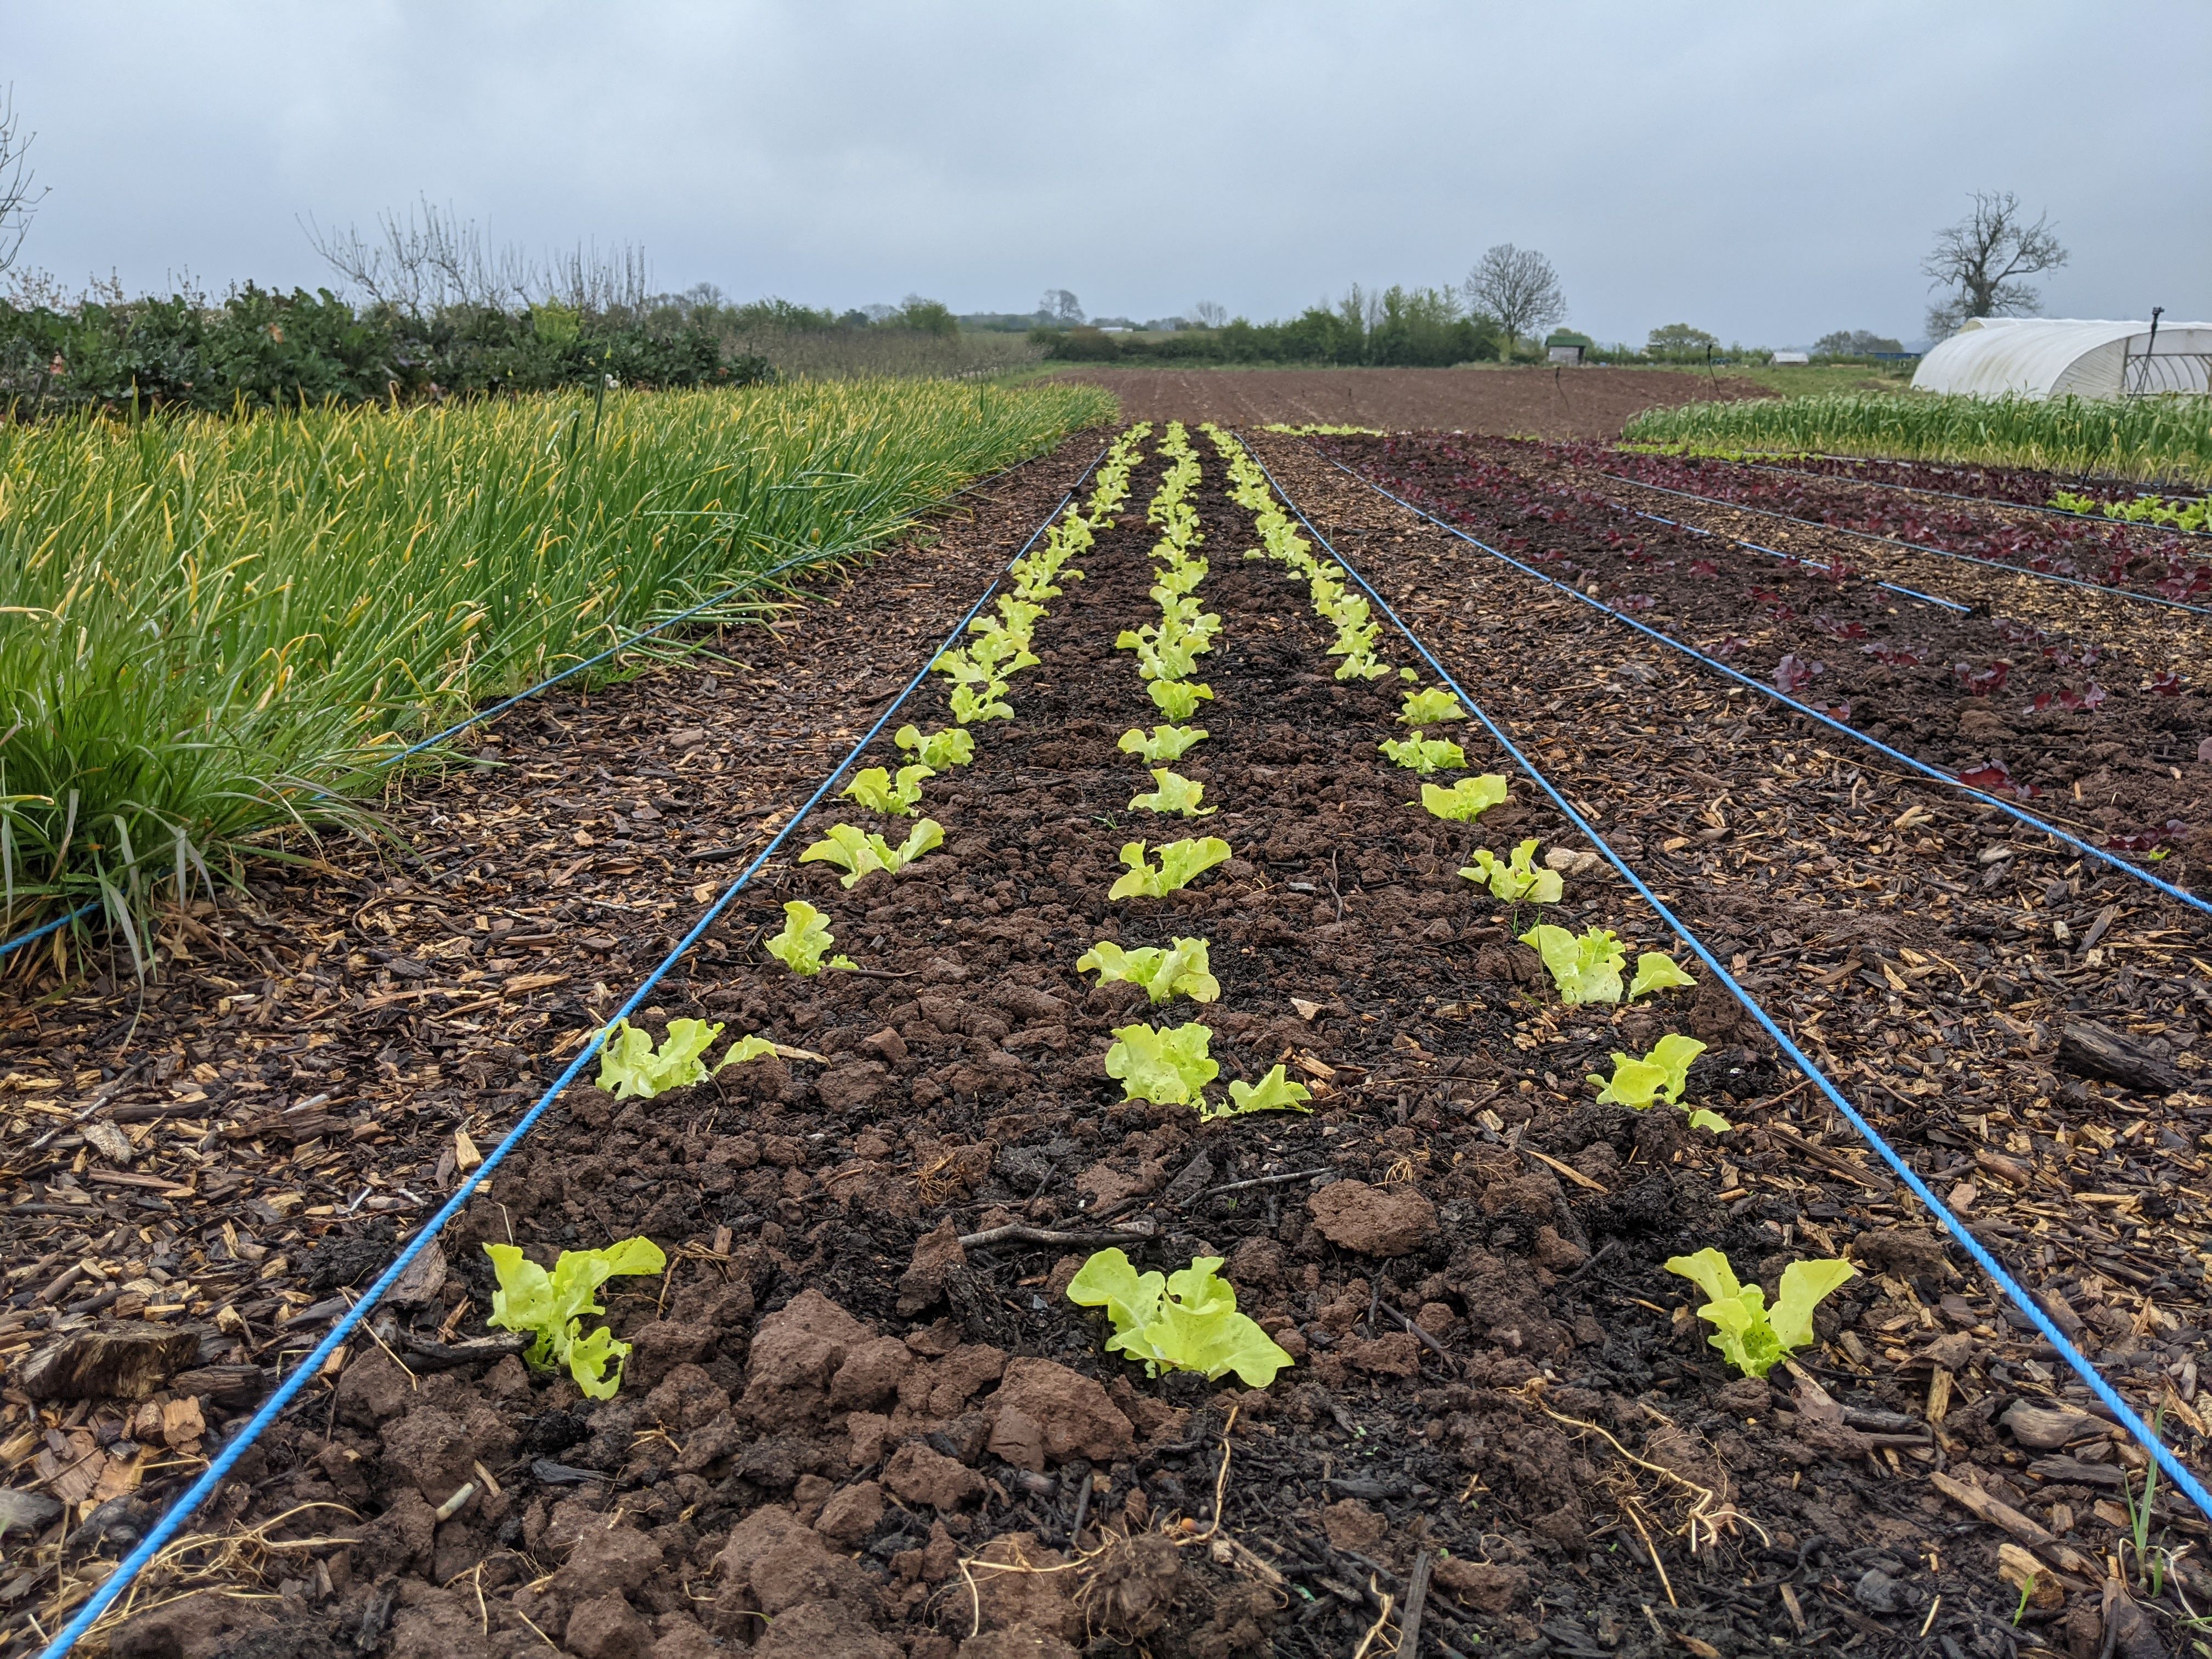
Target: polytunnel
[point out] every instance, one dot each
(2061, 357)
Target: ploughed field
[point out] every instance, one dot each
(2088, 705)
(1592, 402)
(861, 1415)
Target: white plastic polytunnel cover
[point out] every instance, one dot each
(2061, 357)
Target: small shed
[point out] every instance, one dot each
(1564, 354)
(2063, 357)
(1789, 359)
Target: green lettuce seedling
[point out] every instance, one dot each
(1517, 880)
(1655, 972)
(970, 703)
(1663, 1072)
(1429, 706)
(1179, 579)
(999, 652)
(631, 1067)
(1466, 800)
(1169, 1068)
(950, 747)
(1181, 970)
(550, 1307)
(804, 939)
(863, 853)
(1585, 969)
(1173, 794)
(1364, 665)
(1752, 1339)
(873, 788)
(1180, 861)
(1167, 742)
(1176, 699)
(1274, 1092)
(1420, 754)
(1183, 1322)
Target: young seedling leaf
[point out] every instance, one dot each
(1167, 1068)
(1655, 972)
(873, 787)
(1466, 800)
(1174, 794)
(1176, 699)
(1185, 1322)
(863, 853)
(1586, 969)
(1662, 1074)
(1274, 1092)
(631, 1067)
(1517, 879)
(1166, 743)
(950, 747)
(804, 939)
(986, 702)
(1749, 1338)
(1180, 861)
(1429, 706)
(1181, 970)
(1423, 755)
(549, 1307)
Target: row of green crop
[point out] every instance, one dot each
(1187, 1320)
(260, 349)
(1585, 968)
(211, 629)
(2157, 439)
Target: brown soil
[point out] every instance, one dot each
(846, 1431)
(1592, 402)
(2109, 757)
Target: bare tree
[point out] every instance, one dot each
(1518, 287)
(1209, 313)
(434, 258)
(1061, 306)
(20, 193)
(1982, 259)
(597, 282)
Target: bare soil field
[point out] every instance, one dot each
(1579, 403)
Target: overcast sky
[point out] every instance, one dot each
(1766, 171)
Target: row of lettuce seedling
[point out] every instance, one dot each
(1585, 968)
(552, 1306)
(1187, 1320)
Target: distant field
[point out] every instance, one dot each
(2150, 438)
(1593, 403)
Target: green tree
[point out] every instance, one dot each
(1679, 340)
(926, 317)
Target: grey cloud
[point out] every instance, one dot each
(1766, 172)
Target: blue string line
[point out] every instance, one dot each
(40, 933)
(482, 714)
(1776, 553)
(197, 1493)
(2122, 1411)
(1917, 547)
(1805, 709)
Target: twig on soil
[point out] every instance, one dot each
(1424, 1338)
(1568, 1170)
(1417, 1596)
(1262, 1181)
(1021, 1233)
